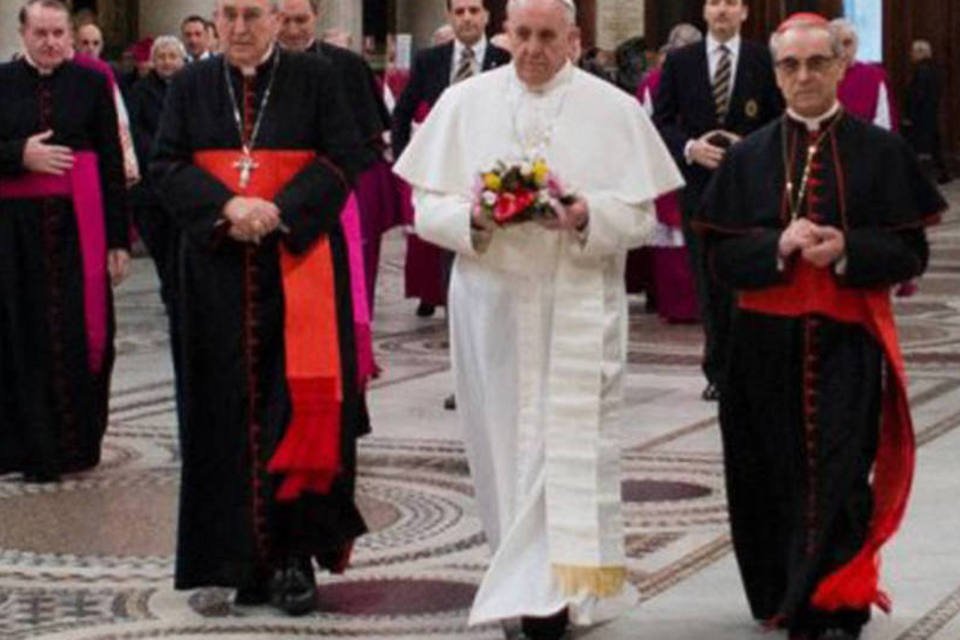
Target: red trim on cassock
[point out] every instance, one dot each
(815, 291)
(308, 456)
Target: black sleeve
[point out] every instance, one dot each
(666, 111)
(406, 108)
(312, 202)
(11, 156)
(142, 136)
(113, 182)
(746, 261)
(878, 257)
(194, 197)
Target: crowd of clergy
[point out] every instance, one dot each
(761, 189)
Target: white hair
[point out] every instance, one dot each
(842, 25)
(922, 48)
(163, 42)
(569, 8)
(836, 45)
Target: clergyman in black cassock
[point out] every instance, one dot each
(61, 225)
(239, 522)
(811, 220)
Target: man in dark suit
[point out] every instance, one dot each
(434, 70)
(713, 93)
(427, 270)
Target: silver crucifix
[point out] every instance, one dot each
(245, 165)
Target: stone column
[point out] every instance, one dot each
(420, 18)
(163, 18)
(9, 37)
(343, 14)
(618, 20)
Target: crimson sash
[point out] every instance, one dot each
(309, 454)
(855, 585)
(82, 185)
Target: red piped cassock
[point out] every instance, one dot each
(818, 442)
(270, 406)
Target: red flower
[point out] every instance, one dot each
(510, 205)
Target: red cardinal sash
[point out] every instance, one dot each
(855, 585)
(309, 454)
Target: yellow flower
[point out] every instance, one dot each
(491, 181)
(540, 172)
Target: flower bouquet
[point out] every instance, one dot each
(519, 192)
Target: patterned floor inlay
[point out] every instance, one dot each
(91, 558)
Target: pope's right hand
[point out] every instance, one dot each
(40, 157)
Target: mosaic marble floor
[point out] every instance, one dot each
(90, 559)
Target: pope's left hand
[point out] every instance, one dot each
(573, 216)
(118, 265)
(830, 248)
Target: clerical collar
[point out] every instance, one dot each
(814, 124)
(557, 80)
(41, 72)
(253, 71)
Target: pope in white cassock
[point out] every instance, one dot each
(538, 314)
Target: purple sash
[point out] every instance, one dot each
(82, 185)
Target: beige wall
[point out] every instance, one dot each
(9, 39)
(618, 20)
(420, 18)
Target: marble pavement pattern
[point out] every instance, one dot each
(91, 558)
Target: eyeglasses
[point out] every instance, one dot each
(814, 64)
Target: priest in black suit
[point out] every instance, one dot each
(712, 94)
(434, 70)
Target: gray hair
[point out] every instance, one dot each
(922, 48)
(842, 25)
(164, 42)
(569, 8)
(682, 35)
(836, 45)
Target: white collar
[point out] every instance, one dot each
(43, 72)
(560, 77)
(252, 71)
(733, 44)
(478, 48)
(813, 124)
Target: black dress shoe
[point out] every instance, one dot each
(253, 594)
(425, 310)
(450, 402)
(294, 589)
(41, 477)
(711, 393)
(548, 628)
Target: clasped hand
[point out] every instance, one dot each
(572, 216)
(251, 219)
(820, 245)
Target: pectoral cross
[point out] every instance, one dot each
(245, 165)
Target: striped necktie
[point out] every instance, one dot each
(465, 66)
(721, 83)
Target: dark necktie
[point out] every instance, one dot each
(721, 83)
(465, 66)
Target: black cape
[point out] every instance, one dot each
(236, 404)
(800, 414)
(53, 410)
